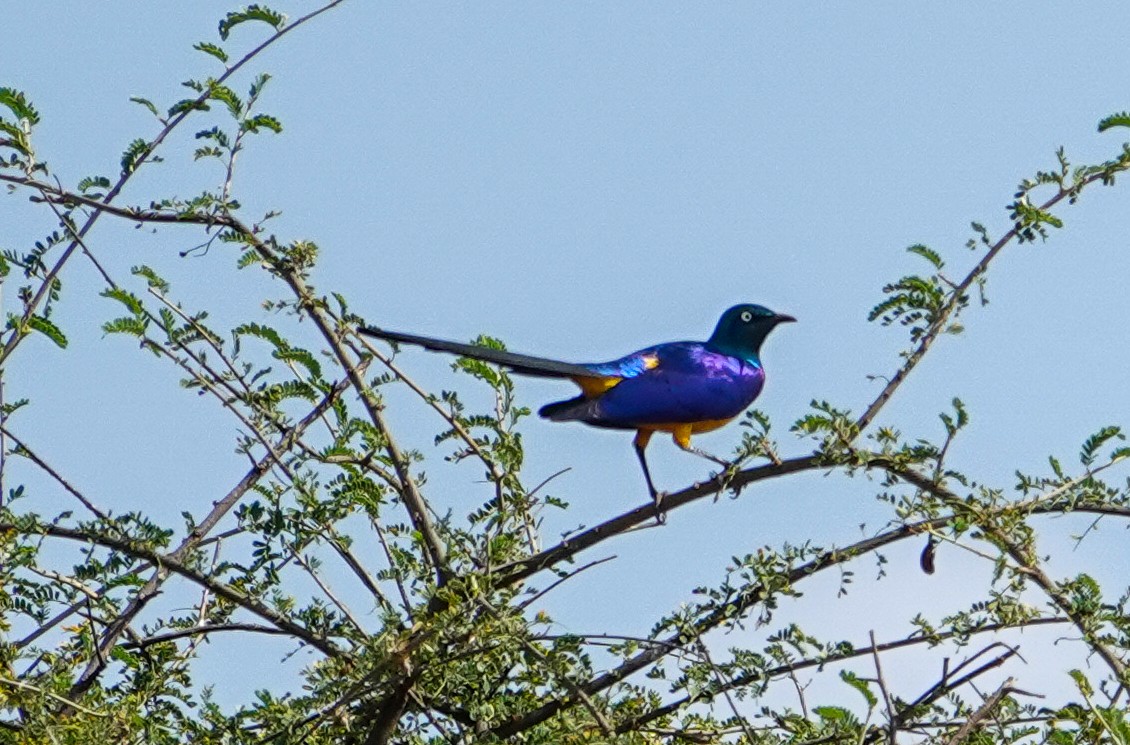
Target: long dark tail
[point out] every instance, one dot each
(523, 364)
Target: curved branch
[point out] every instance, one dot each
(749, 597)
(1026, 561)
(197, 631)
(515, 572)
(740, 681)
(101, 205)
(962, 287)
(199, 531)
(174, 565)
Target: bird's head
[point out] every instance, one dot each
(742, 329)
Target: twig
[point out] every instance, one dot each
(200, 530)
(553, 585)
(51, 695)
(723, 682)
(892, 727)
(30, 455)
(101, 206)
(202, 630)
(957, 294)
(175, 566)
(1024, 560)
(982, 711)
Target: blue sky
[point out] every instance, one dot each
(581, 180)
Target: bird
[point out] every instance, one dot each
(682, 388)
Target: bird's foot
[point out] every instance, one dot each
(724, 477)
(660, 512)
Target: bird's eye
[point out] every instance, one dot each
(746, 316)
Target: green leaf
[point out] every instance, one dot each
(249, 258)
(261, 121)
(1121, 119)
(283, 350)
(128, 299)
(17, 103)
(151, 277)
(1081, 682)
(147, 104)
(17, 138)
(91, 182)
(226, 96)
(212, 49)
(188, 104)
(126, 325)
(251, 13)
(833, 714)
(48, 329)
(257, 85)
(927, 253)
(860, 685)
(215, 134)
(1091, 447)
(1057, 467)
(302, 357)
(9, 407)
(137, 150)
(168, 320)
(288, 389)
(265, 333)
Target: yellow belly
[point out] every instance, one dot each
(708, 425)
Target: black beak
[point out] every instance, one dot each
(782, 318)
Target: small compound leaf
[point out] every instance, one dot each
(126, 325)
(147, 104)
(927, 253)
(150, 277)
(251, 13)
(1121, 119)
(860, 685)
(261, 121)
(17, 103)
(126, 298)
(212, 49)
(133, 155)
(227, 97)
(93, 182)
(188, 104)
(302, 357)
(257, 85)
(48, 329)
(1090, 449)
(249, 258)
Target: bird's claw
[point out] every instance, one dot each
(723, 478)
(660, 514)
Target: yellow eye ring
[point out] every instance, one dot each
(746, 316)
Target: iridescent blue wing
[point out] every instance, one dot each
(684, 383)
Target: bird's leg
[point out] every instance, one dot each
(643, 436)
(682, 437)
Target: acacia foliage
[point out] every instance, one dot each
(451, 647)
